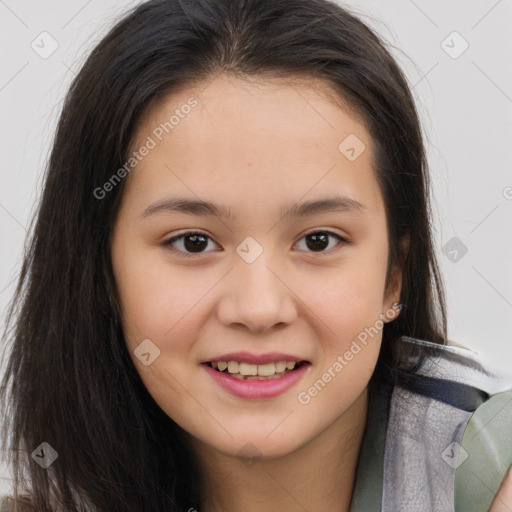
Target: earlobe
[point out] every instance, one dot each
(393, 312)
(392, 309)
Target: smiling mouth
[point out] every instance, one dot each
(256, 372)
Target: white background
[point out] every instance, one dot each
(465, 102)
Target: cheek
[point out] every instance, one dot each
(157, 305)
(345, 310)
(347, 298)
(153, 296)
(348, 326)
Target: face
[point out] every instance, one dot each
(306, 286)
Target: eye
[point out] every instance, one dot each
(317, 241)
(193, 241)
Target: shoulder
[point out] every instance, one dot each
(452, 363)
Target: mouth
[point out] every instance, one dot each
(247, 371)
(256, 381)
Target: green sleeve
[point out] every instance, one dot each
(485, 455)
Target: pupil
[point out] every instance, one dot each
(196, 240)
(320, 241)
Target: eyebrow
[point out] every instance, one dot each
(206, 208)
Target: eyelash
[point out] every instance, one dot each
(168, 243)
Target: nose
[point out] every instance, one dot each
(257, 297)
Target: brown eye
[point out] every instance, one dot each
(318, 241)
(191, 242)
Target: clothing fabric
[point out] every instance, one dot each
(438, 437)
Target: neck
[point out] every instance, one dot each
(319, 475)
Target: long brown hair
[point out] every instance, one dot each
(70, 381)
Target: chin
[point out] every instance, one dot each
(259, 447)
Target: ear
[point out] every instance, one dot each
(395, 282)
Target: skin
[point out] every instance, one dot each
(503, 500)
(257, 147)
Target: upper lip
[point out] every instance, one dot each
(247, 357)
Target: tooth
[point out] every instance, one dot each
(280, 366)
(265, 370)
(248, 369)
(237, 376)
(233, 367)
(271, 377)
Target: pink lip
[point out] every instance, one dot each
(247, 357)
(256, 388)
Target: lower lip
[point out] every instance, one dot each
(257, 388)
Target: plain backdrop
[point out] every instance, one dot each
(456, 56)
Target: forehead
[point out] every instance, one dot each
(257, 138)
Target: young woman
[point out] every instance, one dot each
(231, 300)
